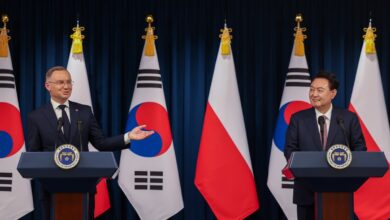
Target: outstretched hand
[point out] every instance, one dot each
(138, 134)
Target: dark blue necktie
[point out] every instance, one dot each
(66, 122)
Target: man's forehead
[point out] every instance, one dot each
(60, 74)
(320, 83)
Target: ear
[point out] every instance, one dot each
(47, 86)
(334, 93)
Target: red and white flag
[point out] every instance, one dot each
(372, 200)
(224, 174)
(81, 94)
(15, 191)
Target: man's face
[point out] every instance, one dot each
(59, 85)
(320, 94)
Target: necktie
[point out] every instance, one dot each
(325, 137)
(66, 122)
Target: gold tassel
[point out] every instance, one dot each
(77, 46)
(299, 37)
(4, 38)
(226, 40)
(77, 43)
(3, 43)
(299, 45)
(149, 44)
(369, 39)
(149, 37)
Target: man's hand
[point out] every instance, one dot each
(138, 134)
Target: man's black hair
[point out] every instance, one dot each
(331, 77)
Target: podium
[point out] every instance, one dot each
(334, 188)
(69, 188)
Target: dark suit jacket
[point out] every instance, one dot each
(43, 136)
(42, 130)
(303, 135)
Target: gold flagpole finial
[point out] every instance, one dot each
(77, 42)
(226, 40)
(369, 39)
(5, 20)
(4, 38)
(149, 37)
(299, 37)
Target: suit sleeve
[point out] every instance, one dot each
(357, 139)
(291, 144)
(34, 142)
(101, 142)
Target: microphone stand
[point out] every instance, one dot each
(60, 123)
(80, 128)
(340, 122)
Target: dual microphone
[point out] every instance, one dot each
(340, 122)
(60, 124)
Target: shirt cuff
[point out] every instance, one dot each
(126, 138)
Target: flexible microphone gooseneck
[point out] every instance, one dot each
(80, 128)
(60, 123)
(340, 122)
(321, 122)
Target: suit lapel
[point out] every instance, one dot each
(74, 117)
(311, 123)
(52, 120)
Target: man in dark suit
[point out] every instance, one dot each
(303, 133)
(61, 122)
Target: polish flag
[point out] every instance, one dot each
(373, 198)
(224, 174)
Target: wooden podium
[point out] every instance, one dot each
(334, 188)
(69, 188)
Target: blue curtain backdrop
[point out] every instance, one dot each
(187, 48)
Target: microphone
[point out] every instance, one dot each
(340, 122)
(80, 128)
(321, 122)
(60, 123)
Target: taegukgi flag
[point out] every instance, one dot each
(148, 171)
(295, 98)
(15, 191)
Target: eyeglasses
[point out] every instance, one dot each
(62, 82)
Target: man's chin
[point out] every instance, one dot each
(316, 105)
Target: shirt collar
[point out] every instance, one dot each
(328, 114)
(56, 104)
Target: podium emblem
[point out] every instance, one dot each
(339, 156)
(66, 156)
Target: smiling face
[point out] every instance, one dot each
(321, 95)
(59, 85)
